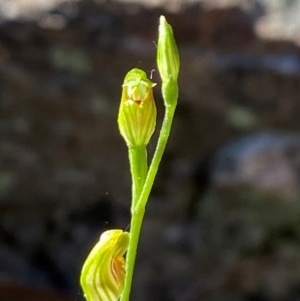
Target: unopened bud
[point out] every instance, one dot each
(167, 52)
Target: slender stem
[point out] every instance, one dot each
(161, 145)
(136, 224)
(140, 204)
(139, 168)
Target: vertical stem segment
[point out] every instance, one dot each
(161, 145)
(136, 224)
(140, 200)
(138, 168)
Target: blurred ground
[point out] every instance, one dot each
(278, 19)
(223, 219)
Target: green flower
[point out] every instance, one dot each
(103, 273)
(137, 113)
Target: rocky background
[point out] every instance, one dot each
(223, 221)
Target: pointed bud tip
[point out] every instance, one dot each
(162, 19)
(167, 52)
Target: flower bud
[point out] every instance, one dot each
(167, 52)
(137, 113)
(103, 273)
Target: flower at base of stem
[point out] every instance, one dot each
(103, 273)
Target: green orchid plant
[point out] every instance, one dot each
(106, 275)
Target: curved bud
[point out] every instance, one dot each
(103, 273)
(167, 52)
(137, 112)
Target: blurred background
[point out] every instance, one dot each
(223, 221)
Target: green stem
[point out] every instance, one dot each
(136, 225)
(138, 208)
(139, 168)
(161, 145)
